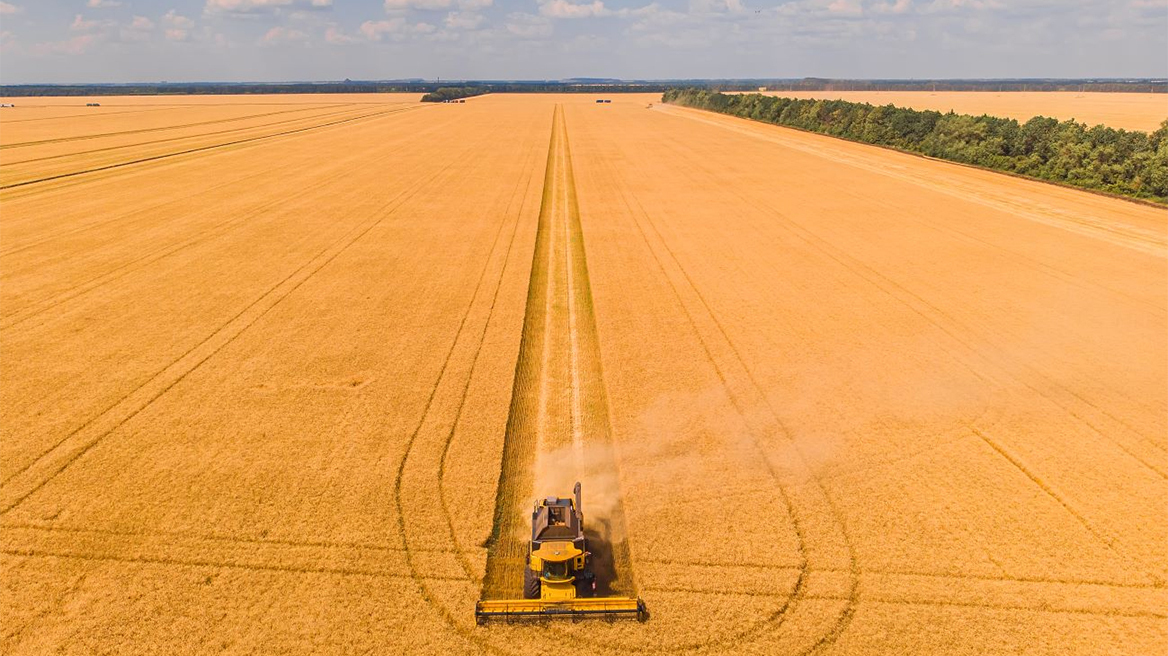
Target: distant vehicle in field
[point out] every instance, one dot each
(7, 105)
(93, 104)
(603, 100)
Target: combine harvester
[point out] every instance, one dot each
(558, 581)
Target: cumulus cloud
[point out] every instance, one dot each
(374, 30)
(897, 7)
(528, 26)
(259, 6)
(566, 9)
(81, 24)
(139, 29)
(174, 19)
(103, 4)
(393, 6)
(462, 20)
(337, 36)
(845, 8)
(716, 6)
(176, 26)
(949, 6)
(76, 45)
(7, 9)
(281, 34)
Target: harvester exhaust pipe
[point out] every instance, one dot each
(576, 491)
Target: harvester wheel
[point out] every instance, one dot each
(586, 584)
(530, 584)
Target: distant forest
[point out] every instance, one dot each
(1123, 162)
(585, 86)
(444, 94)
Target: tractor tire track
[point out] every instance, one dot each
(202, 149)
(32, 477)
(824, 246)
(779, 615)
(149, 214)
(86, 137)
(89, 114)
(899, 293)
(221, 228)
(189, 137)
(1132, 237)
(520, 191)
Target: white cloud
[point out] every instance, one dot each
(716, 6)
(139, 29)
(475, 4)
(566, 9)
(424, 5)
(374, 30)
(280, 34)
(81, 24)
(897, 7)
(257, 6)
(177, 20)
(76, 45)
(943, 6)
(176, 34)
(7, 9)
(461, 20)
(845, 8)
(103, 4)
(528, 26)
(337, 36)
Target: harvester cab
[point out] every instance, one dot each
(558, 580)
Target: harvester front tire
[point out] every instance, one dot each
(530, 584)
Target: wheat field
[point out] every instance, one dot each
(1129, 111)
(282, 374)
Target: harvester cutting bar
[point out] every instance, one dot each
(528, 609)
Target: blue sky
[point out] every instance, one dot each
(273, 40)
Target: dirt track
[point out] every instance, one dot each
(256, 386)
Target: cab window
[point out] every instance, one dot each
(555, 571)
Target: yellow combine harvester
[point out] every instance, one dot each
(558, 580)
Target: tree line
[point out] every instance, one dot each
(1124, 162)
(452, 93)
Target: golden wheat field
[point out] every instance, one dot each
(1130, 111)
(282, 374)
